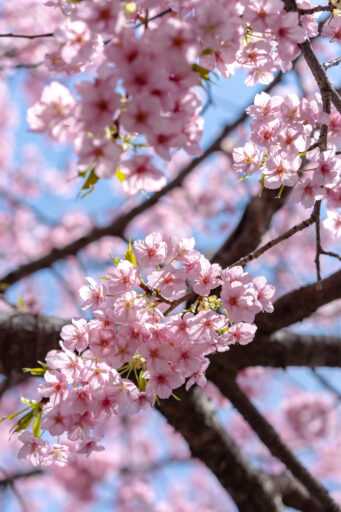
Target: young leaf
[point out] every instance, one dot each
(119, 175)
(130, 256)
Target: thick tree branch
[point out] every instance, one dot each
(282, 349)
(25, 339)
(299, 304)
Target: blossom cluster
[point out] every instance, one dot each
(284, 147)
(145, 92)
(134, 351)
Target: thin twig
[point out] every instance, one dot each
(318, 8)
(145, 22)
(331, 254)
(23, 36)
(331, 63)
(318, 240)
(325, 383)
(295, 229)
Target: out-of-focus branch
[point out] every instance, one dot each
(300, 304)
(195, 418)
(294, 494)
(20, 474)
(24, 339)
(282, 349)
(265, 431)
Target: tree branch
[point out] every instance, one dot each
(195, 418)
(282, 349)
(265, 431)
(23, 36)
(315, 66)
(299, 304)
(292, 231)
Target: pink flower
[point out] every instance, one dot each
(328, 170)
(262, 14)
(332, 29)
(56, 385)
(235, 274)
(58, 454)
(264, 293)
(287, 32)
(333, 223)
(247, 158)
(101, 16)
(123, 278)
(140, 174)
(182, 249)
(141, 114)
(91, 295)
(75, 336)
(309, 416)
(242, 333)
(53, 112)
(238, 302)
(278, 171)
(101, 154)
(33, 448)
(205, 276)
(166, 135)
(162, 383)
(99, 102)
(55, 419)
(170, 281)
(78, 44)
(307, 192)
(150, 252)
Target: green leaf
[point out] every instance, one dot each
(12, 416)
(23, 423)
(244, 177)
(130, 256)
(115, 259)
(31, 403)
(36, 425)
(279, 195)
(35, 371)
(90, 182)
(203, 72)
(119, 175)
(261, 181)
(208, 51)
